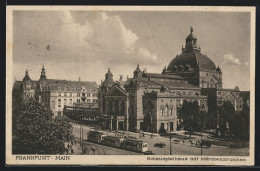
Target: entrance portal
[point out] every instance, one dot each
(171, 126)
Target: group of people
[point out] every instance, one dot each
(70, 145)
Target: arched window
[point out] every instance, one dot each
(166, 110)
(161, 111)
(171, 110)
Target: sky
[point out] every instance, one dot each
(86, 43)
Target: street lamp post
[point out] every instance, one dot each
(82, 139)
(201, 145)
(170, 145)
(80, 135)
(202, 120)
(170, 137)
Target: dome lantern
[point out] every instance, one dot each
(137, 72)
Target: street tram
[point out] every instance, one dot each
(112, 141)
(96, 137)
(135, 145)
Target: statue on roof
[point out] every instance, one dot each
(191, 29)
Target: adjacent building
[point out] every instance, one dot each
(57, 94)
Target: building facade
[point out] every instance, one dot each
(56, 94)
(146, 102)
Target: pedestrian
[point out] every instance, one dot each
(68, 145)
(151, 135)
(143, 135)
(183, 141)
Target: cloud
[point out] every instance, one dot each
(230, 59)
(102, 38)
(78, 36)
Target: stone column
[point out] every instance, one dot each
(126, 114)
(111, 124)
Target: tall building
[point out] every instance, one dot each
(56, 94)
(150, 101)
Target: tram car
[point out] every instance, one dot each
(112, 141)
(96, 137)
(134, 145)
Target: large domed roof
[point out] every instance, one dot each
(191, 58)
(195, 59)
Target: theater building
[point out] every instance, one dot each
(149, 101)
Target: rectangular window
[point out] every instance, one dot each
(70, 101)
(78, 100)
(88, 100)
(88, 94)
(59, 101)
(65, 101)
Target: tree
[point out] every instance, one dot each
(193, 118)
(36, 131)
(226, 113)
(241, 130)
(245, 122)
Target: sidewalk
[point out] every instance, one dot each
(77, 150)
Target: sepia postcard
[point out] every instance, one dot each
(130, 85)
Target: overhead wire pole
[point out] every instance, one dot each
(170, 145)
(201, 145)
(82, 139)
(80, 134)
